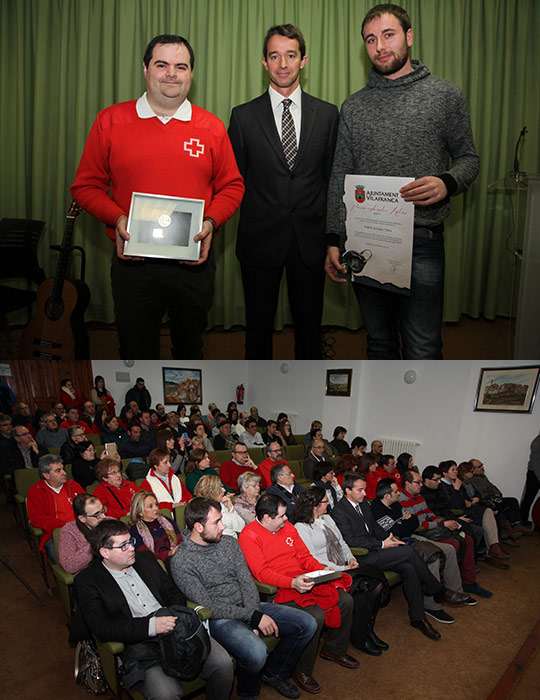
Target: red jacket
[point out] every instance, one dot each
(264, 471)
(230, 471)
(117, 500)
(42, 510)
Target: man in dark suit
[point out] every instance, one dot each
(284, 143)
(118, 595)
(359, 529)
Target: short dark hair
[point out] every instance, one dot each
(446, 465)
(131, 426)
(339, 429)
(388, 9)
(80, 501)
(385, 459)
(166, 39)
(349, 479)
(408, 476)
(270, 422)
(268, 504)
(250, 421)
(107, 420)
(289, 31)
(197, 510)
(276, 470)
(101, 535)
(321, 469)
(384, 486)
(272, 442)
(140, 379)
(358, 442)
(430, 471)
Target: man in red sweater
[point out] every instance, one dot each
(160, 144)
(50, 501)
(276, 555)
(274, 453)
(241, 462)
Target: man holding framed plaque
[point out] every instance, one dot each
(406, 123)
(175, 161)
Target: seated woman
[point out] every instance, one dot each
(339, 443)
(347, 463)
(115, 492)
(197, 466)
(284, 427)
(200, 431)
(126, 417)
(404, 463)
(112, 431)
(369, 467)
(165, 441)
(74, 549)
(83, 464)
(250, 488)
(326, 544)
(163, 482)
(101, 396)
(324, 475)
(150, 529)
(211, 487)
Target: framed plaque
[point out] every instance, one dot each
(164, 227)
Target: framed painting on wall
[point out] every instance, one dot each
(507, 389)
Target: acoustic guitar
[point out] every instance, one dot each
(57, 331)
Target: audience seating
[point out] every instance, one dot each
(96, 441)
(296, 468)
(64, 580)
(293, 452)
(257, 454)
(392, 577)
(223, 455)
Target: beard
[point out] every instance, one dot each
(209, 539)
(393, 66)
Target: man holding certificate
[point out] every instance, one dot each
(406, 123)
(162, 147)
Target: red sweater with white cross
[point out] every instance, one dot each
(126, 154)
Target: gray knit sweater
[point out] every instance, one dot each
(216, 576)
(409, 127)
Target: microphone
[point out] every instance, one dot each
(517, 172)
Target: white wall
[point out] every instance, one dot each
(436, 411)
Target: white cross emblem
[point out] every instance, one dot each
(195, 147)
(289, 541)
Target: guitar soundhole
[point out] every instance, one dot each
(54, 309)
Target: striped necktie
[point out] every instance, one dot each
(288, 134)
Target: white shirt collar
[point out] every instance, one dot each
(277, 98)
(144, 111)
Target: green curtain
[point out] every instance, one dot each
(64, 60)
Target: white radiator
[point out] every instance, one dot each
(393, 446)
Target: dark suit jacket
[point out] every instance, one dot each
(289, 498)
(351, 527)
(105, 608)
(279, 202)
(12, 459)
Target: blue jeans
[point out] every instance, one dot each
(417, 316)
(296, 628)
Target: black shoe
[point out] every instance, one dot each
(440, 615)
(377, 641)
(370, 648)
(477, 589)
(440, 596)
(284, 687)
(426, 629)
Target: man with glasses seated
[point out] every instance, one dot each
(74, 549)
(119, 594)
(24, 454)
(275, 456)
(285, 486)
(241, 462)
(50, 435)
(68, 451)
(316, 455)
(115, 492)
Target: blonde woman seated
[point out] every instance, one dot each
(326, 544)
(151, 530)
(211, 487)
(250, 488)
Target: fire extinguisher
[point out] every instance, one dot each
(240, 394)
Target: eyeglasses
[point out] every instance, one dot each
(124, 546)
(416, 482)
(97, 514)
(436, 478)
(240, 452)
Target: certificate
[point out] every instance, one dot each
(164, 227)
(379, 228)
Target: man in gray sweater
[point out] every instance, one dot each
(211, 570)
(404, 123)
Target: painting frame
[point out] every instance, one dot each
(338, 382)
(189, 383)
(507, 389)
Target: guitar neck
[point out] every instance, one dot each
(65, 250)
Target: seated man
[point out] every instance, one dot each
(22, 415)
(284, 486)
(393, 518)
(50, 435)
(272, 434)
(134, 446)
(359, 529)
(273, 450)
(24, 453)
(388, 466)
(376, 449)
(89, 417)
(240, 426)
(119, 594)
(73, 419)
(69, 449)
(435, 528)
(241, 462)
(488, 491)
(74, 549)
(113, 490)
(212, 571)
(316, 455)
(6, 431)
(148, 429)
(254, 413)
(308, 437)
(225, 439)
(49, 502)
(276, 555)
(251, 437)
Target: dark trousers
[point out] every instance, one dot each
(144, 291)
(417, 579)
(532, 486)
(305, 288)
(337, 638)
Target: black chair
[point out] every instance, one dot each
(19, 239)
